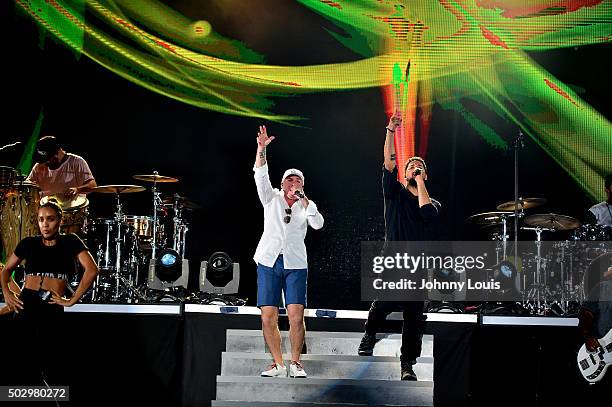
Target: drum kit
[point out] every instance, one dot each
(122, 245)
(551, 274)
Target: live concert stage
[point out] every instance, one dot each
(195, 355)
(174, 175)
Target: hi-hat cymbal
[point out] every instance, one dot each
(118, 189)
(524, 203)
(154, 178)
(186, 203)
(489, 218)
(552, 221)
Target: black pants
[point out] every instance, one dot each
(412, 328)
(38, 341)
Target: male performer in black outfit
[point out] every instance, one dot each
(410, 215)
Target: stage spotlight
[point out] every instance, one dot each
(219, 275)
(168, 270)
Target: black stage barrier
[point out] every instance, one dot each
(118, 358)
(531, 365)
(108, 359)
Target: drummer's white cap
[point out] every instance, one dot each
(293, 171)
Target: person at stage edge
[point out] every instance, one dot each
(281, 258)
(59, 173)
(38, 308)
(601, 214)
(410, 215)
(595, 321)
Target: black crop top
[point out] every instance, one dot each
(55, 261)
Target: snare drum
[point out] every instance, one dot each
(19, 214)
(143, 228)
(75, 212)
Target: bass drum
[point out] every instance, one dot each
(112, 243)
(19, 214)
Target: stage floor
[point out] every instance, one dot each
(173, 352)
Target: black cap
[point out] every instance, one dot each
(45, 149)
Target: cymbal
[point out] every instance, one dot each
(524, 203)
(154, 178)
(187, 204)
(118, 189)
(489, 218)
(552, 221)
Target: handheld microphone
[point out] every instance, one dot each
(299, 194)
(416, 172)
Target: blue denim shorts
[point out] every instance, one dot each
(272, 280)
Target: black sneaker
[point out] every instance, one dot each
(366, 347)
(407, 372)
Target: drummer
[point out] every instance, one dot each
(58, 172)
(601, 214)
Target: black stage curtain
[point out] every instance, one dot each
(204, 341)
(109, 359)
(530, 366)
(452, 362)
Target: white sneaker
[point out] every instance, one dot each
(296, 369)
(274, 370)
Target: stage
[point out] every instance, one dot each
(195, 355)
(146, 119)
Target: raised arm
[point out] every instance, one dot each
(262, 178)
(389, 150)
(262, 142)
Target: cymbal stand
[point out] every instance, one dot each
(157, 203)
(505, 236)
(519, 143)
(180, 228)
(539, 288)
(119, 218)
(564, 302)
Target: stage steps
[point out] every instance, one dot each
(337, 376)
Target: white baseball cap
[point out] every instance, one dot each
(293, 171)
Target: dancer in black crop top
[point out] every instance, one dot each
(49, 259)
(39, 306)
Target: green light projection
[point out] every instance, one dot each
(463, 53)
